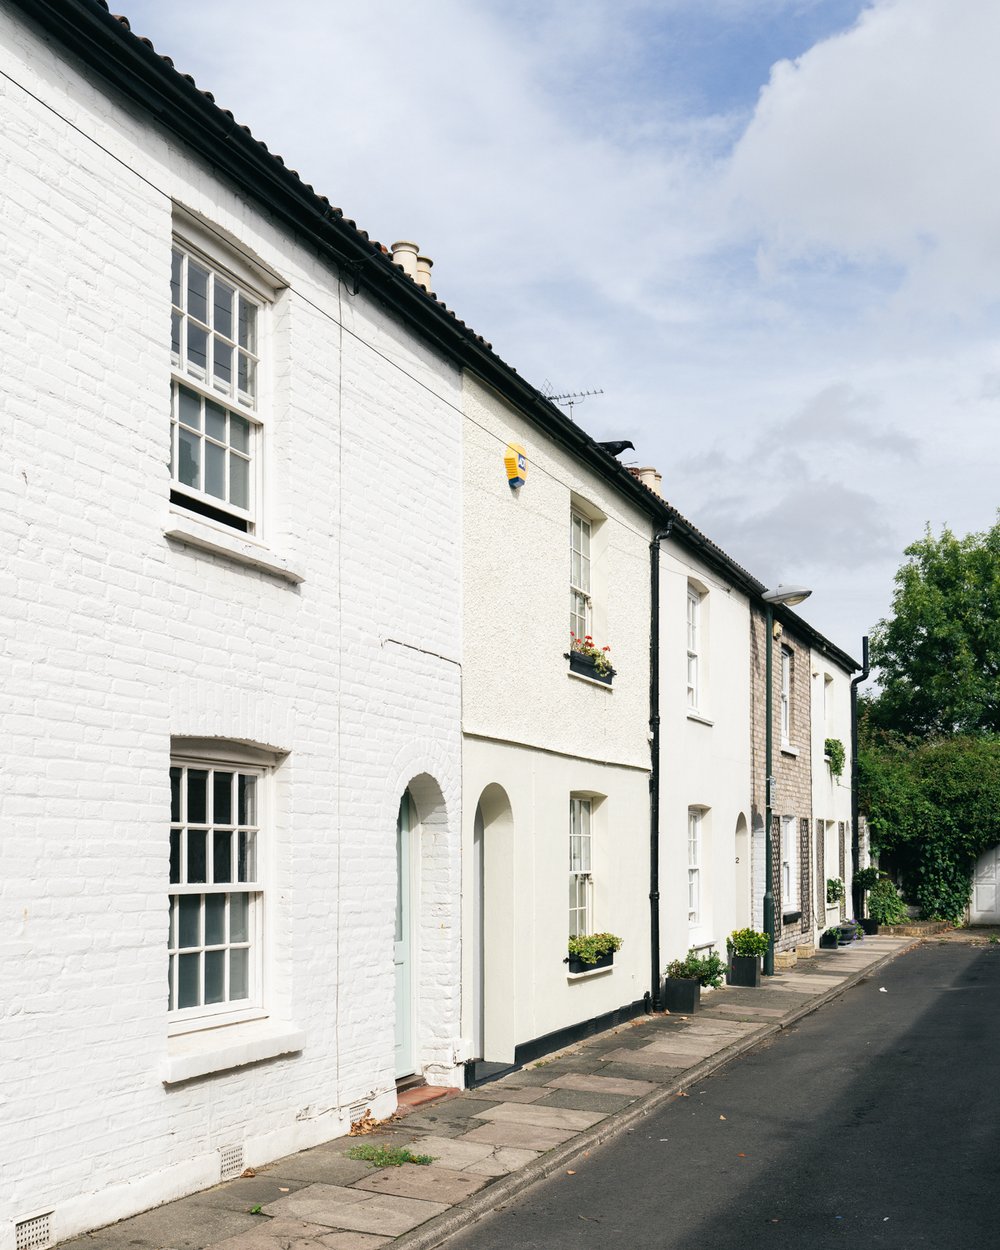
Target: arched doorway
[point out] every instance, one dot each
(741, 874)
(493, 1014)
(404, 944)
(758, 861)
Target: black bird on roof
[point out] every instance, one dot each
(616, 448)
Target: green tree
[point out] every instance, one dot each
(935, 805)
(938, 655)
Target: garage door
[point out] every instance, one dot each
(985, 907)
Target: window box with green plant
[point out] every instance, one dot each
(746, 948)
(591, 951)
(684, 979)
(586, 659)
(836, 756)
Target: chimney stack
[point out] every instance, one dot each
(649, 477)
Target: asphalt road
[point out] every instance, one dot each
(874, 1122)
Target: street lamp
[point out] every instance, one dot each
(784, 596)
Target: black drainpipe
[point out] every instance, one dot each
(653, 997)
(856, 894)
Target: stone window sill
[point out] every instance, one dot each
(698, 718)
(190, 531)
(226, 1047)
(788, 749)
(591, 681)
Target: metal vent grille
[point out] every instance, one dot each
(230, 1162)
(357, 1111)
(29, 1234)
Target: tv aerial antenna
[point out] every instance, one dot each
(570, 399)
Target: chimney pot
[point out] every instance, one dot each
(404, 254)
(649, 477)
(424, 272)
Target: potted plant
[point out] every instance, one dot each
(745, 947)
(590, 951)
(589, 660)
(867, 879)
(850, 931)
(834, 891)
(830, 939)
(684, 978)
(884, 904)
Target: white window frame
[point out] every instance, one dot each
(205, 832)
(695, 847)
(581, 533)
(789, 864)
(786, 696)
(581, 878)
(693, 648)
(218, 418)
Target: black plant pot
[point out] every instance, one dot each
(744, 970)
(870, 926)
(584, 666)
(828, 942)
(576, 964)
(681, 995)
(848, 933)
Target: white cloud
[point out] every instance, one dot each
(879, 144)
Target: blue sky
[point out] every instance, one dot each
(767, 229)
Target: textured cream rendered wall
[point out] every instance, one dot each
(542, 734)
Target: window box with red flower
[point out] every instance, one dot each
(588, 660)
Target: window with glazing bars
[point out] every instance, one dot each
(579, 575)
(694, 865)
(214, 422)
(693, 646)
(786, 695)
(215, 891)
(580, 879)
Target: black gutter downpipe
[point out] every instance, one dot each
(654, 771)
(856, 894)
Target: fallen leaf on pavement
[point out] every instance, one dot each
(722, 1117)
(681, 1094)
(741, 1155)
(571, 1172)
(248, 1172)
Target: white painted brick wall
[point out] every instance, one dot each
(116, 639)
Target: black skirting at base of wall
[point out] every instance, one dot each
(481, 1071)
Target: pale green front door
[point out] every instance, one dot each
(402, 959)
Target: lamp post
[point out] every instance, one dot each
(786, 596)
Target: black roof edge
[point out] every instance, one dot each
(132, 66)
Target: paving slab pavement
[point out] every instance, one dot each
(490, 1143)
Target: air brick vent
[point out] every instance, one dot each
(30, 1234)
(230, 1162)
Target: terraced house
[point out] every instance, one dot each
(285, 825)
